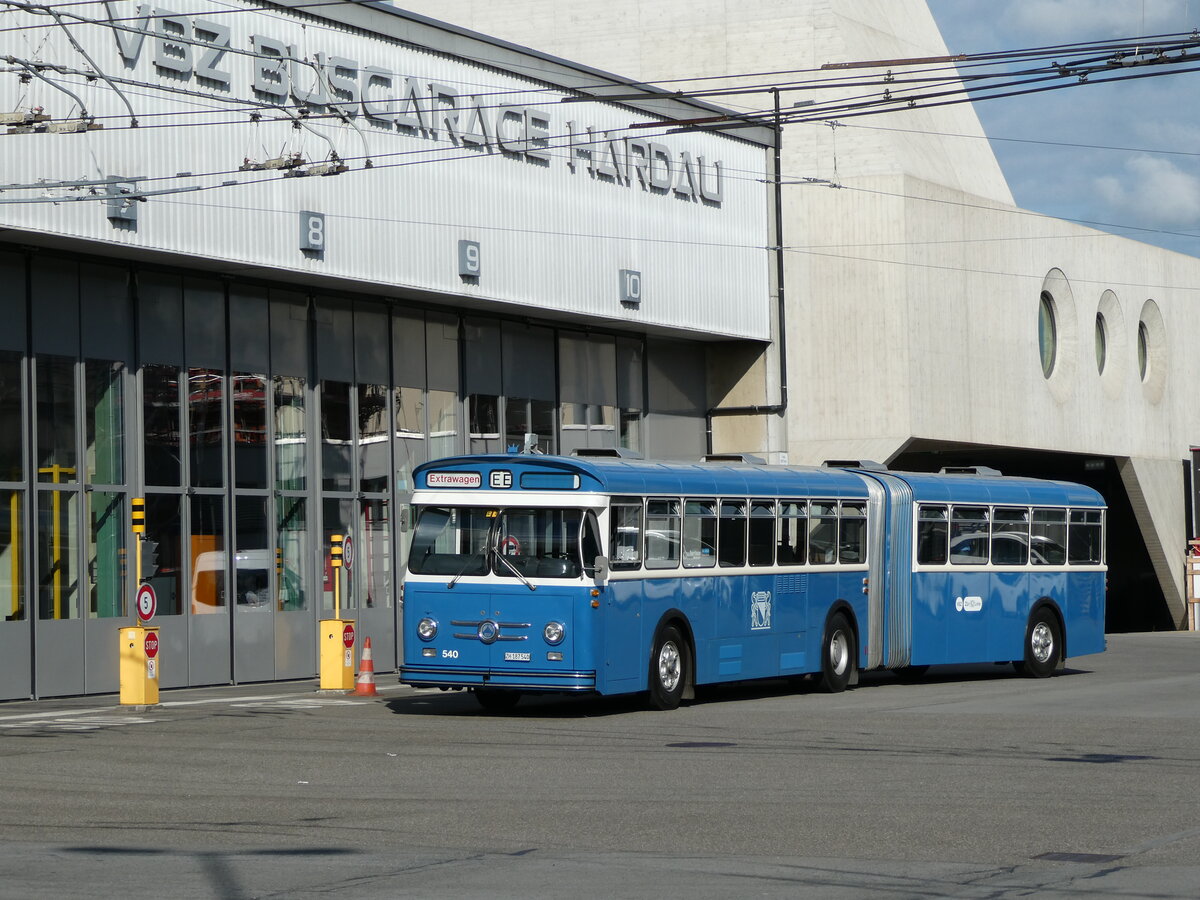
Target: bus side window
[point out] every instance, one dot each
(793, 532)
(625, 539)
(662, 534)
(822, 532)
(1048, 542)
(699, 534)
(762, 532)
(1085, 539)
(932, 533)
(731, 544)
(969, 535)
(852, 539)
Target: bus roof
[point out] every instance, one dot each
(648, 477)
(641, 477)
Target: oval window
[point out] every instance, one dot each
(1101, 343)
(1143, 350)
(1047, 336)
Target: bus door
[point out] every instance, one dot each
(621, 664)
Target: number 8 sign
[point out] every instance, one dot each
(312, 231)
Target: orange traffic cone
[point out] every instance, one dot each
(365, 687)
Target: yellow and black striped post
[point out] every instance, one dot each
(335, 563)
(137, 518)
(279, 577)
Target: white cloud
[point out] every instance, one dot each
(1055, 21)
(1155, 192)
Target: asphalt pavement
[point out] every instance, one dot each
(971, 782)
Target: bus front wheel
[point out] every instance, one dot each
(837, 654)
(668, 669)
(1043, 645)
(494, 700)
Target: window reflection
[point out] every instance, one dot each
(410, 434)
(206, 405)
(443, 424)
(107, 555)
(104, 405)
(165, 573)
(58, 542)
(336, 436)
(12, 409)
(160, 424)
(12, 591)
(252, 559)
(291, 433)
(372, 557)
(485, 423)
(534, 417)
(339, 516)
(373, 437)
(56, 419)
(208, 555)
(249, 430)
(292, 531)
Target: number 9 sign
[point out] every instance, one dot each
(468, 259)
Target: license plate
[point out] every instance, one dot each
(516, 657)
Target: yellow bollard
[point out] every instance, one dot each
(139, 666)
(337, 654)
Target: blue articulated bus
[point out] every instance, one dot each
(614, 575)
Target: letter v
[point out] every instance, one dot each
(129, 37)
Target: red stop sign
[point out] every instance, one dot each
(151, 645)
(348, 635)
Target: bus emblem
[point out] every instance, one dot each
(488, 631)
(760, 610)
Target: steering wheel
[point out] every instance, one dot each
(510, 546)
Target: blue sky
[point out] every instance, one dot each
(1155, 182)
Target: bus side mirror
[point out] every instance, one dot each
(599, 569)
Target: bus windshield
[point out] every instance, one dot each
(535, 542)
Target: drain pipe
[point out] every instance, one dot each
(781, 337)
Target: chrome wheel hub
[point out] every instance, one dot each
(670, 668)
(839, 652)
(1041, 642)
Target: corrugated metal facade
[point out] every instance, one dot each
(554, 233)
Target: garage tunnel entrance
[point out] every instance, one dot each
(1136, 601)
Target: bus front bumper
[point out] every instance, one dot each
(525, 680)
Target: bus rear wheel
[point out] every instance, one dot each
(1043, 645)
(496, 700)
(668, 669)
(837, 654)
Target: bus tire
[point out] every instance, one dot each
(1043, 645)
(668, 669)
(837, 654)
(495, 699)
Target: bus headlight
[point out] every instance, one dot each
(553, 632)
(427, 629)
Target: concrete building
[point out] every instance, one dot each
(259, 260)
(928, 320)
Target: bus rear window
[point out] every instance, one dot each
(1086, 537)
